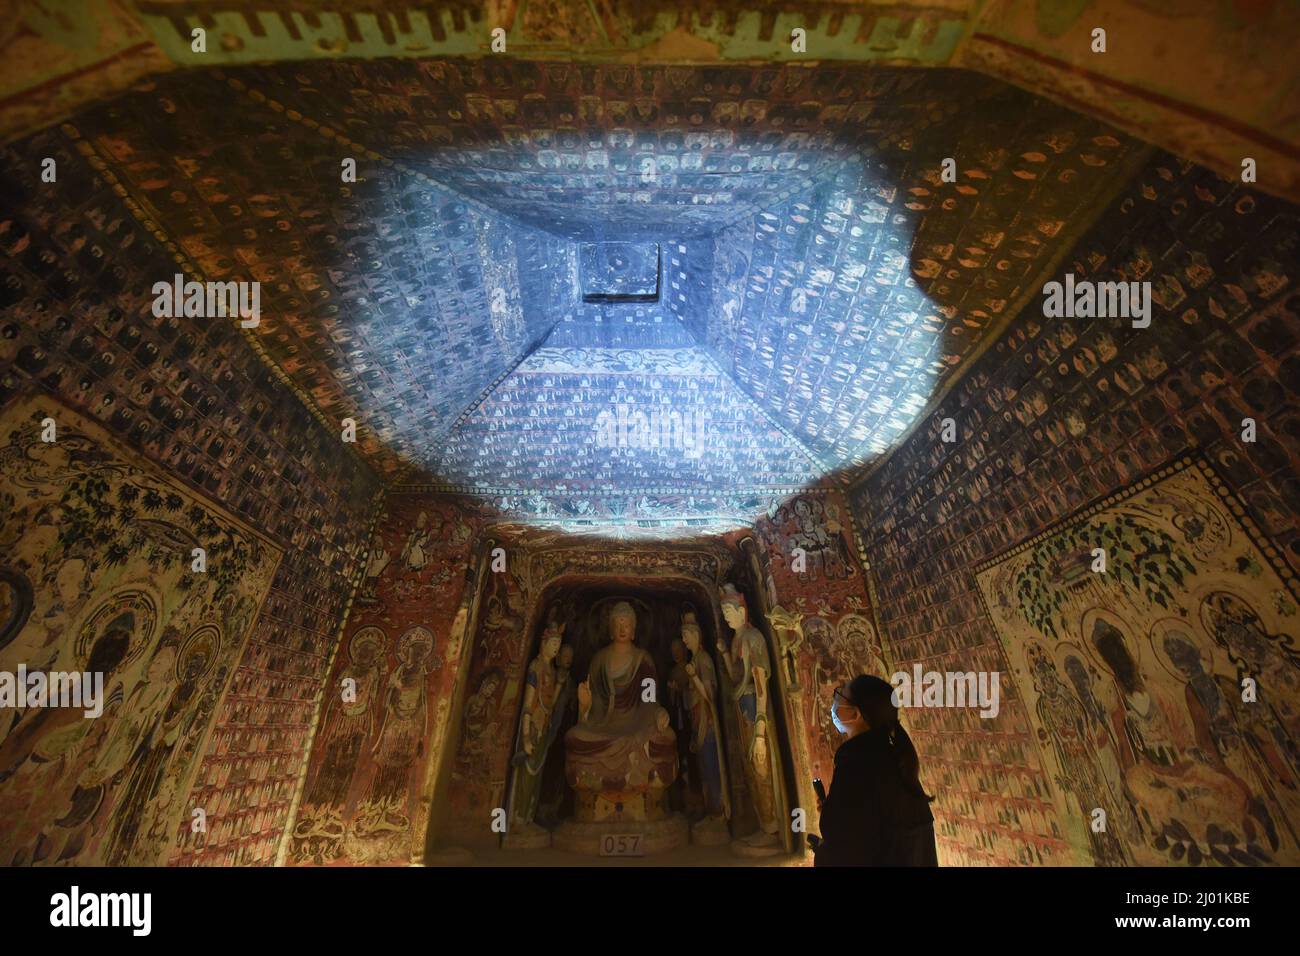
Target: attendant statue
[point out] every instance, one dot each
(749, 667)
(677, 683)
(546, 690)
(551, 786)
(706, 734)
(622, 743)
(681, 723)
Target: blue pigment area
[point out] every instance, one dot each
(767, 255)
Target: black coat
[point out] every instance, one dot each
(871, 817)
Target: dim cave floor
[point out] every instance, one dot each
(691, 855)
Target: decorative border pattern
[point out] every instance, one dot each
(1191, 459)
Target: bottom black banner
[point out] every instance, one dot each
(360, 906)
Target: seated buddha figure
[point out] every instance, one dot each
(622, 742)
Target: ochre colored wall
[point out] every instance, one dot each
(831, 601)
(196, 411)
(98, 578)
(361, 801)
(357, 806)
(1065, 412)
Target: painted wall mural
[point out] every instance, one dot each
(1046, 47)
(1229, 60)
(820, 285)
(362, 790)
(54, 57)
(833, 653)
(455, 253)
(97, 577)
(195, 398)
(399, 657)
(490, 712)
(1060, 413)
(816, 524)
(821, 616)
(1133, 678)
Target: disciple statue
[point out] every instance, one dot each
(681, 724)
(546, 692)
(622, 741)
(706, 735)
(677, 682)
(564, 679)
(552, 788)
(749, 666)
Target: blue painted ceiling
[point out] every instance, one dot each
(817, 281)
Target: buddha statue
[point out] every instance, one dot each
(622, 748)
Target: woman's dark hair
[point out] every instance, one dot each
(874, 697)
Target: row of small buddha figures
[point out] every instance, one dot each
(623, 746)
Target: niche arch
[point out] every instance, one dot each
(458, 819)
(581, 602)
(582, 598)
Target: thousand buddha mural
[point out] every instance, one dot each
(540, 439)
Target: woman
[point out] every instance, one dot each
(877, 813)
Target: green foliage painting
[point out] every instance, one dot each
(1144, 559)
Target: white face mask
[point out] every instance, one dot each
(835, 719)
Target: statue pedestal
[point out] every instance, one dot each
(641, 812)
(656, 836)
(757, 845)
(528, 836)
(711, 831)
(636, 805)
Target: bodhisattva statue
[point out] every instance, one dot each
(749, 667)
(706, 736)
(547, 690)
(622, 747)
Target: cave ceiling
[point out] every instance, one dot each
(767, 253)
